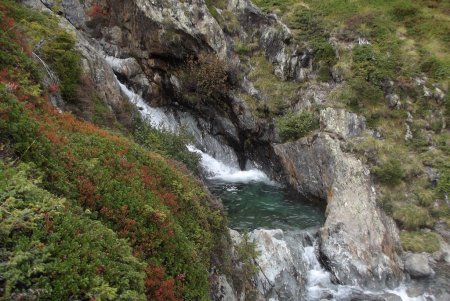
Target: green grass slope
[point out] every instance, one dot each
(108, 219)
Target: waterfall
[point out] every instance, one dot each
(213, 168)
(288, 263)
(155, 116)
(217, 170)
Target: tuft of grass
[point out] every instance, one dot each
(417, 241)
(279, 94)
(411, 217)
(389, 173)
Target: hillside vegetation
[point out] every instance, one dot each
(86, 213)
(392, 61)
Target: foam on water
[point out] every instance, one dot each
(155, 116)
(214, 168)
(217, 170)
(319, 283)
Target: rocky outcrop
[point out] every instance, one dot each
(418, 266)
(358, 242)
(96, 71)
(275, 39)
(279, 268)
(341, 122)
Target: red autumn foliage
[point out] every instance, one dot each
(96, 10)
(100, 269)
(170, 200)
(148, 180)
(88, 194)
(53, 88)
(159, 287)
(108, 212)
(48, 223)
(52, 136)
(123, 151)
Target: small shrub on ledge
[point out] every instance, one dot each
(295, 126)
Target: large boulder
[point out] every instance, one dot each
(418, 266)
(358, 242)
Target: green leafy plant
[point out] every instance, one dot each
(389, 172)
(295, 126)
(166, 142)
(246, 253)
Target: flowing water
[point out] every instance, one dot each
(255, 202)
(256, 205)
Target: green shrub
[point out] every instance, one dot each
(51, 251)
(372, 64)
(411, 217)
(60, 54)
(325, 53)
(420, 241)
(435, 68)
(295, 126)
(390, 172)
(404, 10)
(324, 74)
(246, 253)
(167, 143)
(359, 94)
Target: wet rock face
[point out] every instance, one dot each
(370, 297)
(162, 29)
(358, 242)
(279, 274)
(281, 267)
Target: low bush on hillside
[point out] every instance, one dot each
(410, 217)
(53, 251)
(167, 143)
(390, 172)
(164, 216)
(295, 126)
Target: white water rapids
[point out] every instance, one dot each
(318, 281)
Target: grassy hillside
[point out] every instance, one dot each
(405, 52)
(85, 213)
